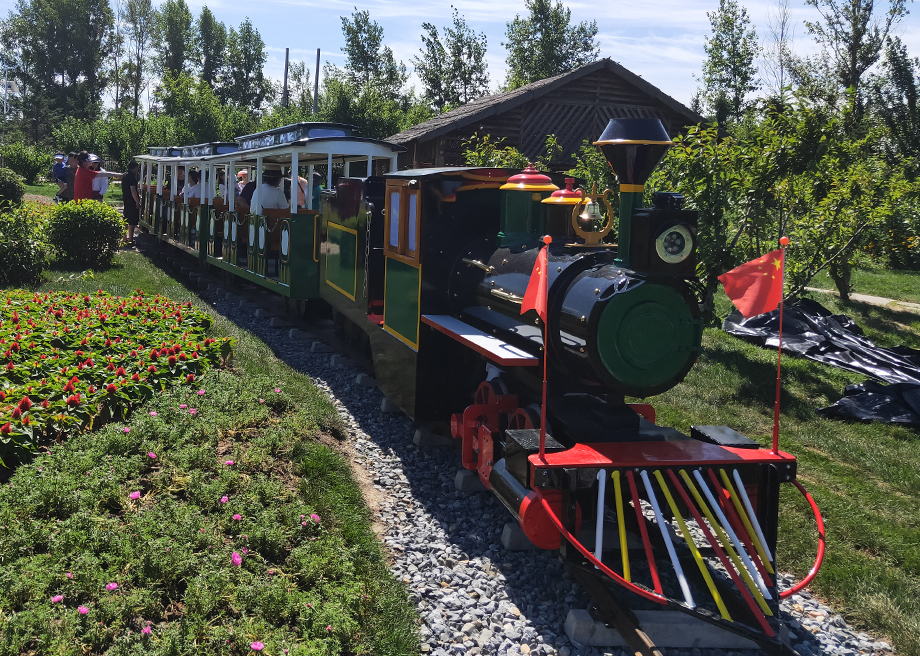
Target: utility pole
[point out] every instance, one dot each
(316, 85)
(284, 95)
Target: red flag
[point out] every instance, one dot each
(535, 296)
(757, 286)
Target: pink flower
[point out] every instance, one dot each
(224, 499)
(245, 550)
(237, 517)
(146, 630)
(126, 429)
(229, 463)
(193, 411)
(135, 495)
(303, 523)
(152, 455)
(83, 610)
(111, 586)
(202, 530)
(277, 390)
(153, 413)
(200, 392)
(183, 406)
(261, 400)
(56, 598)
(236, 559)
(257, 646)
(314, 517)
(329, 628)
(69, 575)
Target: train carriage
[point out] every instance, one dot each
(428, 269)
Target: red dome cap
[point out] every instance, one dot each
(530, 179)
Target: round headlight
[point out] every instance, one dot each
(674, 244)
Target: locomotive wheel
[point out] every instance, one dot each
(528, 417)
(488, 392)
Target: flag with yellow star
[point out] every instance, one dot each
(757, 286)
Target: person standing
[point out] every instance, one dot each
(84, 176)
(59, 173)
(132, 199)
(69, 177)
(100, 183)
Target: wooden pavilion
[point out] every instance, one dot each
(573, 106)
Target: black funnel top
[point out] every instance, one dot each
(634, 147)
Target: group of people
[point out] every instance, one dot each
(80, 176)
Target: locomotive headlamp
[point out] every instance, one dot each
(674, 244)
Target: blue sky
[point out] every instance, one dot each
(661, 40)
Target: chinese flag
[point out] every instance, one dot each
(757, 286)
(535, 296)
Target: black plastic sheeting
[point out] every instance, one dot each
(810, 331)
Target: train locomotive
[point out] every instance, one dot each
(426, 269)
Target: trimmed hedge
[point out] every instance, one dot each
(85, 233)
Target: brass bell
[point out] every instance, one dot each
(587, 220)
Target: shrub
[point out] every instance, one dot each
(11, 187)
(85, 233)
(28, 161)
(23, 249)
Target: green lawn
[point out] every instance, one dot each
(865, 477)
(897, 285)
(311, 575)
(113, 195)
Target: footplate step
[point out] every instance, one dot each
(669, 629)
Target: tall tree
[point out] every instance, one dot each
(853, 34)
(452, 69)
(777, 52)
(210, 46)
(118, 69)
(140, 24)
(729, 73)
(56, 51)
(367, 59)
(174, 32)
(895, 95)
(544, 43)
(244, 82)
(300, 89)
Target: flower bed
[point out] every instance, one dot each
(71, 360)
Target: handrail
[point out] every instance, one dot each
(820, 557)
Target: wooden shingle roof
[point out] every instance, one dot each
(498, 103)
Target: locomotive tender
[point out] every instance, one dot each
(427, 269)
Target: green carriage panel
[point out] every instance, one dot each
(299, 259)
(342, 259)
(401, 303)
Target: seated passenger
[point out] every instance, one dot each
(270, 195)
(193, 188)
(221, 184)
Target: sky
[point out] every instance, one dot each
(660, 40)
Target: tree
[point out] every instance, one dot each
(244, 83)
(895, 98)
(56, 51)
(544, 43)
(853, 35)
(300, 90)
(367, 59)
(452, 70)
(140, 27)
(777, 53)
(174, 31)
(210, 46)
(729, 73)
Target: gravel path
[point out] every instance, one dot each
(474, 597)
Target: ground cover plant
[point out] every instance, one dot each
(216, 520)
(71, 359)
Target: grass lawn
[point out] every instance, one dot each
(897, 285)
(208, 556)
(865, 477)
(113, 195)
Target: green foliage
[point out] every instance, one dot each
(30, 162)
(23, 249)
(243, 82)
(210, 46)
(367, 61)
(452, 69)
(11, 187)
(486, 151)
(140, 28)
(894, 101)
(544, 44)
(592, 167)
(175, 42)
(85, 233)
(729, 71)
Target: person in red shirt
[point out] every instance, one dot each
(83, 181)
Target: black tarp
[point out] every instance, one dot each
(811, 331)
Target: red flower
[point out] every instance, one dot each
(9, 366)
(88, 363)
(2, 396)
(26, 421)
(172, 359)
(68, 387)
(195, 355)
(190, 378)
(151, 369)
(133, 354)
(183, 357)
(26, 403)
(78, 354)
(45, 403)
(17, 413)
(58, 314)
(154, 354)
(6, 429)
(73, 400)
(15, 347)
(110, 388)
(111, 367)
(83, 343)
(135, 377)
(121, 372)
(108, 342)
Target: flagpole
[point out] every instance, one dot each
(779, 352)
(546, 240)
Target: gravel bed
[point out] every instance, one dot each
(472, 596)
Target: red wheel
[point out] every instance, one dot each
(488, 392)
(528, 417)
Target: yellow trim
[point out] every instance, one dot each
(418, 321)
(726, 544)
(354, 291)
(574, 200)
(693, 549)
(736, 501)
(635, 142)
(633, 188)
(316, 238)
(523, 186)
(624, 551)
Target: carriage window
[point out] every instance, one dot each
(394, 219)
(413, 220)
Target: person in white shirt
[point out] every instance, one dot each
(193, 188)
(270, 194)
(221, 185)
(100, 183)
